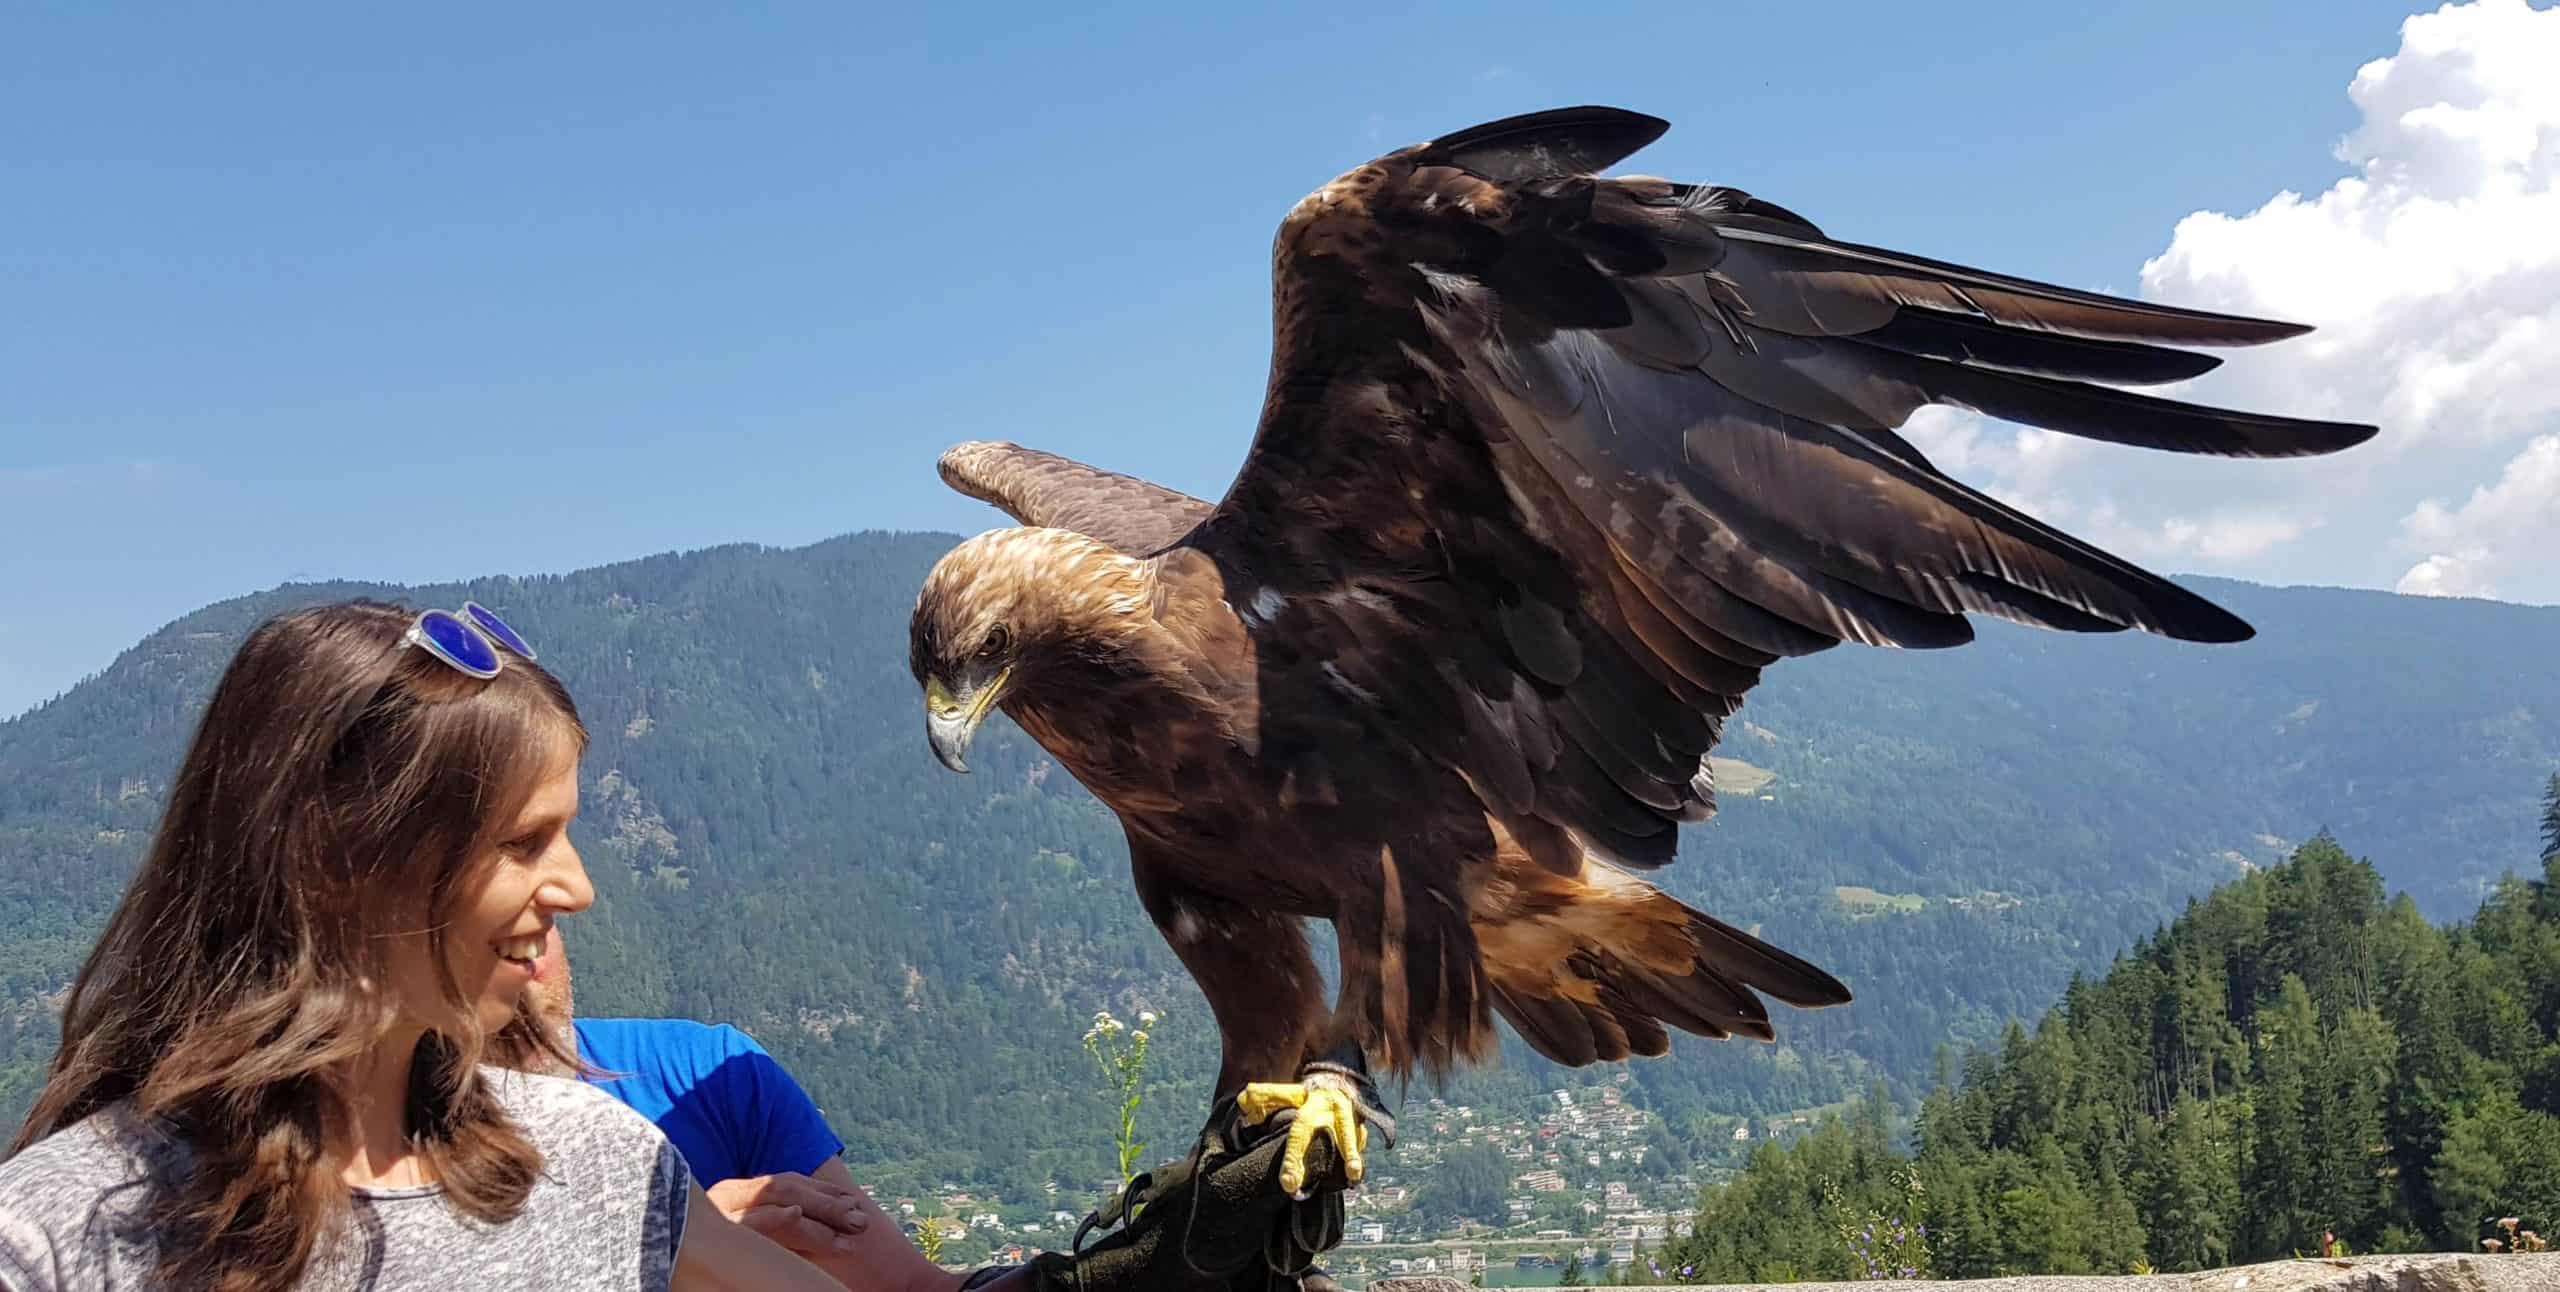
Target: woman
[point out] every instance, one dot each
(271, 1072)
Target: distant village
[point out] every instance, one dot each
(1578, 1191)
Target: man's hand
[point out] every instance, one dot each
(809, 1216)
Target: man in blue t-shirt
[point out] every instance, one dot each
(758, 1146)
(728, 1107)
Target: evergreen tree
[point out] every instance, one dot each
(2280, 1179)
(2116, 1240)
(2470, 1176)
(2189, 1191)
(1471, 1183)
(2292, 1056)
(2551, 816)
(2350, 1148)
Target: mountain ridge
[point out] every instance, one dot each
(787, 855)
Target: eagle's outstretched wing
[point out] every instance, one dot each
(1044, 489)
(1552, 465)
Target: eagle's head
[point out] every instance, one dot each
(1003, 612)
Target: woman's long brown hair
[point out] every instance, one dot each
(338, 801)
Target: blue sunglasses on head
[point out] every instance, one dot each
(467, 639)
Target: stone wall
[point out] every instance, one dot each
(2449, 1272)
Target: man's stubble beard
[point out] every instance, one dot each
(552, 1006)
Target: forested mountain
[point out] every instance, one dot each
(2294, 1060)
(1954, 833)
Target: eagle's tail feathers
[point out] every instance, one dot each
(1725, 949)
(1638, 960)
(1553, 1026)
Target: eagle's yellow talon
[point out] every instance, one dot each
(1320, 1108)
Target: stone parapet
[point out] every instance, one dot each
(2440, 1272)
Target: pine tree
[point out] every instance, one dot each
(2470, 1179)
(2116, 1240)
(2281, 1182)
(2189, 1227)
(2551, 817)
(1572, 1271)
(2430, 1082)
(2349, 1141)
(2292, 1057)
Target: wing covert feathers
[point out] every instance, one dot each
(1050, 491)
(1559, 141)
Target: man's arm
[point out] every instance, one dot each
(831, 1222)
(812, 1217)
(719, 1255)
(880, 1253)
(841, 1230)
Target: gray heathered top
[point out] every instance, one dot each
(606, 1213)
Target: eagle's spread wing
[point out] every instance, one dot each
(1044, 489)
(1553, 465)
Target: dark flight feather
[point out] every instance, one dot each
(1963, 338)
(1798, 281)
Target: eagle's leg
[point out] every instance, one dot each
(1254, 968)
(1332, 1095)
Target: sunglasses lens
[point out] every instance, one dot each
(453, 640)
(496, 628)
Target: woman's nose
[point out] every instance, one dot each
(568, 888)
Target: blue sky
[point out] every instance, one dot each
(299, 292)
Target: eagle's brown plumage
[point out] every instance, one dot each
(1549, 468)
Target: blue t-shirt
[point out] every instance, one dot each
(725, 1104)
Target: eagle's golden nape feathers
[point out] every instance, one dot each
(1000, 607)
(1033, 583)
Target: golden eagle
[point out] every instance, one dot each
(1550, 467)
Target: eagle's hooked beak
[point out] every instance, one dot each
(951, 720)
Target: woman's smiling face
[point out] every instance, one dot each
(498, 927)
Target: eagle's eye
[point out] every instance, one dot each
(997, 640)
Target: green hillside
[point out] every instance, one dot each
(775, 847)
(2293, 1058)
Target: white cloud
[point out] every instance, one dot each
(2455, 574)
(2517, 518)
(2433, 275)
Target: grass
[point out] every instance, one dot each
(1866, 901)
(1734, 776)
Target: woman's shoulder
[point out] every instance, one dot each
(79, 1199)
(607, 1170)
(103, 1151)
(539, 1100)
(571, 1119)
